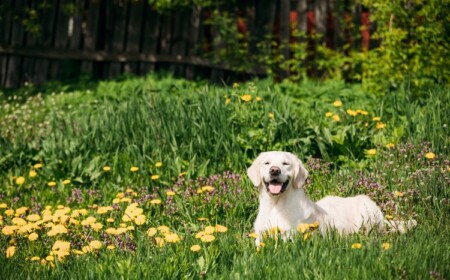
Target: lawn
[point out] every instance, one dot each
(144, 178)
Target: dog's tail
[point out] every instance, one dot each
(399, 226)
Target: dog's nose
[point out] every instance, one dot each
(275, 171)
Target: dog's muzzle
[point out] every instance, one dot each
(274, 187)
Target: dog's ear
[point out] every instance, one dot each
(300, 174)
(253, 172)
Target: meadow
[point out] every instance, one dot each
(144, 178)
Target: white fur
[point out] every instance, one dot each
(292, 207)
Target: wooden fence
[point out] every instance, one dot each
(105, 39)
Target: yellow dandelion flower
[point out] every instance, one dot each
(33, 236)
(253, 235)
(134, 169)
(86, 249)
(235, 85)
(385, 246)
(19, 221)
(51, 184)
(199, 191)
(227, 101)
(10, 251)
(390, 145)
(306, 235)
(207, 188)
(336, 118)
(172, 238)
(398, 194)
(356, 246)
(430, 155)
(158, 164)
(376, 119)
(35, 258)
(246, 97)
(104, 209)
(380, 125)
(314, 225)
(88, 221)
(140, 220)
(20, 180)
(9, 212)
(199, 234)
(352, 112)
(37, 166)
(95, 244)
(110, 247)
(60, 245)
(389, 217)
(170, 193)
(97, 226)
(155, 201)
(33, 217)
(302, 227)
(207, 238)
(78, 252)
(164, 229)
(337, 103)
(151, 231)
(258, 98)
(3, 205)
(9, 230)
(155, 177)
(66, 182)
(195, 248)
(271, 115)
(106, 168)
(202, 219)
(32, 174)
(209, 229)
(111, 231)
(362, 112)
(371, 152)
(182, 174)
(328, 114)
(220, 228)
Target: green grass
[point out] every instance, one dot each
(207, 135)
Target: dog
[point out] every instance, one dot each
(283, 203)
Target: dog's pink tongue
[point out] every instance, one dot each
(275, 187)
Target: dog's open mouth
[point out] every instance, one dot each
(275, 187)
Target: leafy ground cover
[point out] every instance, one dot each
(145, 177)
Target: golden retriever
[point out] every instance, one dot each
(283, 203)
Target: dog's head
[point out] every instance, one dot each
(277, 171)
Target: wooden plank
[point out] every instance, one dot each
(302, 17)
(179, 42)
(133, 41)
(320, 10)
(90, 35)
(60, 41)
(285, 32)
(150, 33)
(165, 39)
(193, 38)
(102, 56)
(47, 20)
(14, 67)
(5, 37)
(118, 37)
(30, 41)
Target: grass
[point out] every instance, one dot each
(193, 135)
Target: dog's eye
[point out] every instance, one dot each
(266, 163)
(285, 163)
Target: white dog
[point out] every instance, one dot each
(280, 177)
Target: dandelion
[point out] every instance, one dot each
(385, 246)
(9, 230)
(337, 103)
(140, 220)
(398, 194)
(356, 246)
(104, 209)
(37, 166)
(199, 234)
(95, 244)
(328, 114)
(155, 201)
(371, 152)
(158, 164)
(389, 217)
(195, 248)
(96, 226)
(3, 205)
(111, 231)
(302, 227)
(164, 229)
(172, 238)
(271, 116)
(258, 98)
(336, 118)
(32, 174)
(170, 193)
(227, 101)
(50, 258)
(134, 169)
(220, 228)
(390, 145)
(207, 188)
(376, 119)
(207, 238)
(110, 247)
(202, 219)
(10, 251)
(9, 212)
(35, 258)
(159, 241)
(306, 235)
(20, 180)
(51, 184)
(33, 236)
(430, 155)
(155, 177)
(209, 230)
(151, 231)
(182, 174)
(246, 97)
(380, 125)
(106, 168)
(66, 182)
(352, 113)
(253, 235)
(235, 85)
